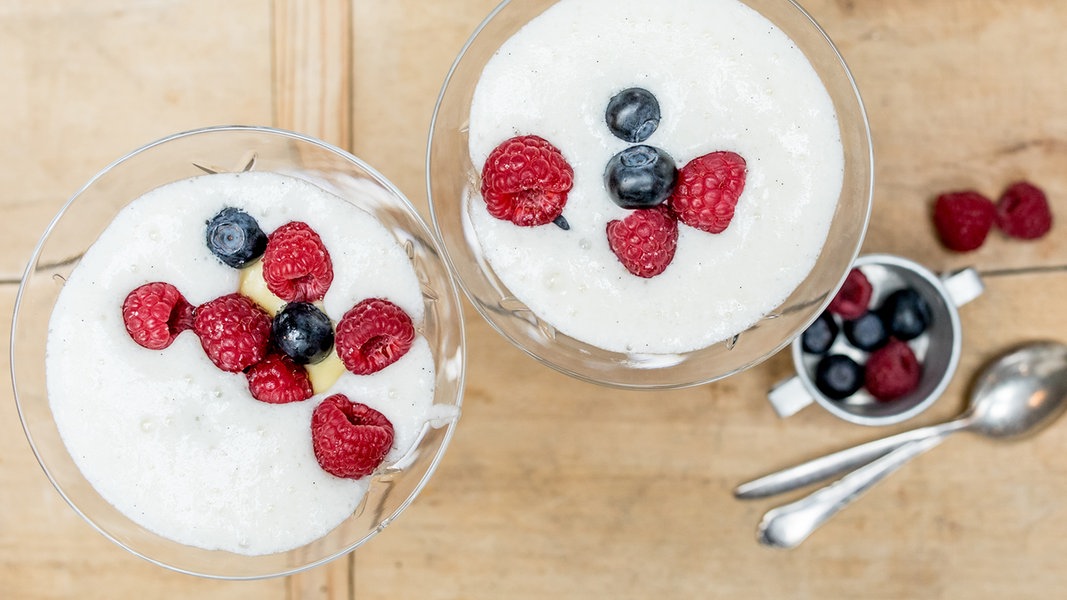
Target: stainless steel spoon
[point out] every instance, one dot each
(1018, 394)
(1011, 396)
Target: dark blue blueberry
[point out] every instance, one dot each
(640, 177)
(235, 237)
(303, 332)
(906, 314)
(866, 332)
(633, 114)
(820, 335)
(837, 376)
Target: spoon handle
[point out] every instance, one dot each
(789, 525)
(838, 462)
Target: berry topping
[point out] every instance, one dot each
(852, 299)
(525, 180)
(296, 265)
(640, 177)
(1023, 211)
(963, 219)
(644, 241)
(303, 332)
(233, 331)
(905, 313)
(837, 376)
(892, 371)
(708, 189)
(277, 380)
(235, 237)
(155, 313)
(349, 439)
(633, 114)
(820, 335)
(866, 332)
(373, 335)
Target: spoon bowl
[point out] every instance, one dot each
(1021, 392)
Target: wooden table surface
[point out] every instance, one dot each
(552, 487)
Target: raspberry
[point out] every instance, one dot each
(525, 180)
(645, 240)
(296, 265)
(1023, 211)
(854, 296)
(963, 219)
(892, 371)
(707, 191)
(278, 380)
(373, 335)
(349, 439)
(234, 331)
(155, 313)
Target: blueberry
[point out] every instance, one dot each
(640, 177)
(235, 237)
(838, 376)
(820, 335)
(866, 332)
(906, 314)
(633, 114)
(303, 332)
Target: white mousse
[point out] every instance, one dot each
(726, 78)
(181, 447)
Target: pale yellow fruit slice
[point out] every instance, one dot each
(254, 286)
(325, 373)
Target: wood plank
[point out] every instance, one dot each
(312, 49)
(312, 92)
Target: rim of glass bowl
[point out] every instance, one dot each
(450, 376)
(620, 370)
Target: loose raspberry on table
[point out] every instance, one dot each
(234, 331)
(852, 300)
(155, 313)
(707, 190)
(645, 241)
(296, 264)
(349, 439)
(963, 219)
(277, 379)
(1023, 211)
(892, 371)
(526, 180)
(373, 335)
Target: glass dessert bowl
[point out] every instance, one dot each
(532, 281)
(301, 179)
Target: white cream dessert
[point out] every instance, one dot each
(177, 444)
(726, 80)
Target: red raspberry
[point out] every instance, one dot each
(155, 313)
(645, 240)
(1023, 211)
(233, 330)
(854, 296)
(525, 180)
(349, 439)
(892, 371)
(296, 265)
(277, 380)
(373, 335)
(707, 190)
(963, 219)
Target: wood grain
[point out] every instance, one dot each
(554, 487)
(313, 76)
